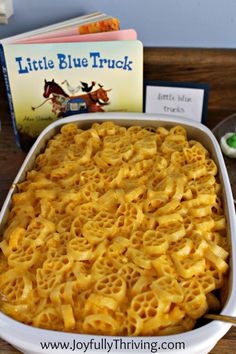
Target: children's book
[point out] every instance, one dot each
(84, 65)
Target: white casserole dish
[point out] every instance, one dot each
(198, 341)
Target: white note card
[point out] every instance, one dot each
(177, 101)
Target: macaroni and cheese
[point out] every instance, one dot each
(115, 231)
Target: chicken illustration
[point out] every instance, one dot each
(71, 89)
(86, 88)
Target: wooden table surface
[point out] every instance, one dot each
(11, 159)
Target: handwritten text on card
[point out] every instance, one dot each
(179, 101)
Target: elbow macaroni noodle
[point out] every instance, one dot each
(116, 231)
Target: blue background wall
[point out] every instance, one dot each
(165, 23)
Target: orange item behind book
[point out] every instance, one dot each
(111, 24)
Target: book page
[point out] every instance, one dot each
(60, 25)
(83, 27)
(94, 26)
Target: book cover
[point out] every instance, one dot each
(51, 81)
(119, 35)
